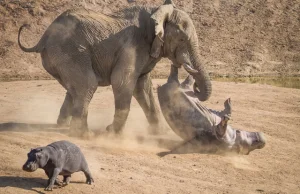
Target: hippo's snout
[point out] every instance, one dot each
(26, 167)
(261, 140)
(249, 141)
(30, 167)
(258, 141)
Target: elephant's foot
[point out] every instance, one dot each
(119, 121)
(79, 130)
(157, 129)
(82, 133)
(63, 122)
(112, 129)
(75, 133)
(88, 134)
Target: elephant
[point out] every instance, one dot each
(83, 49)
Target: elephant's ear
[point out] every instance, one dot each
(160, 16)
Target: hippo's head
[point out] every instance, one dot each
(36, 159)
(243, 142)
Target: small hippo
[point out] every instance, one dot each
(203, 128)
(58, 158)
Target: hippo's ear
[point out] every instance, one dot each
(38, 149)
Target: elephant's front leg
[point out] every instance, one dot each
(144, 95)
(123, 82)
(123, 98)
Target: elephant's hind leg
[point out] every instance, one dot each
(73, 69)
(65, 111)
(78, 78)
(81, 101)
(143, 93)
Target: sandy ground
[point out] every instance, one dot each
(129, 164)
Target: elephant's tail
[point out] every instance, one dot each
(36, 48)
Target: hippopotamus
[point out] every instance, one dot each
(58, 158)
(202, 127)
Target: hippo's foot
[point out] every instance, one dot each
(227, 105)
(66, 180)
(89, 181)
(49, 188)
(58, 182)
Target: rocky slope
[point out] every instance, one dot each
(246, 37)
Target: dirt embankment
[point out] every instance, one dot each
(236, 37)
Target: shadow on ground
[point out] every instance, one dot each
(162, 142)
(23, 183)
(193, 146)
(28, 127)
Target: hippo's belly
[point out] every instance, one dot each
(183, 113)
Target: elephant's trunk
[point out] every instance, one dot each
(202, 86)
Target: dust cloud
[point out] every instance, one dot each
(135, 136)
(38, 112)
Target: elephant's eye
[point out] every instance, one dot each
(181, 40)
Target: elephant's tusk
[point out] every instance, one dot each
(189, 69)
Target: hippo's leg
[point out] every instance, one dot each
(89, 178)
(228, 109)
(57, 181)
(222, 126)
(52, 179)
(88, 175)
(143, 93)
(67, 179)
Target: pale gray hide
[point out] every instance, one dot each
(201, 126)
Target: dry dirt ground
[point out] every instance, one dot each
(129, 164)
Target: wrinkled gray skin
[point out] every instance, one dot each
(201, 126)
(83, 49)
(58, 158)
